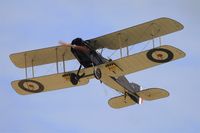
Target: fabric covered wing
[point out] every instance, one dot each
(41, 56)
(136, 34)
(142, 60)
(50, 82)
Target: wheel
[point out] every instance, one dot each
(97, 73)
(74, 78)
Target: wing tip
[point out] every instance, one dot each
(13, 84)
(11, 56)
(181, 52)
(179, 25)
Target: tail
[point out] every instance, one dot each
(136, 87)
(147, 94)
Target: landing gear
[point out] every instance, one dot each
(74, 78)
(97, 73)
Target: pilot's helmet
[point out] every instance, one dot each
(78, 42)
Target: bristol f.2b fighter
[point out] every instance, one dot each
(94, 65)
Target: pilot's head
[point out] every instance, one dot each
(78, 42)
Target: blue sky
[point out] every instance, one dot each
(27, 25)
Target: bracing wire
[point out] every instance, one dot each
(112, 54)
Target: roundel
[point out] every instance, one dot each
(31, 86)
(160, 55)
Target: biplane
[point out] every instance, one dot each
(94, 65)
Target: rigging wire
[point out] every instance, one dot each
(141, 36)
(112, 54)
(145, 46)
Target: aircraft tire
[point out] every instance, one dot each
(97, 73)
(74, 78)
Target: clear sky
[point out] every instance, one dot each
(28, 24)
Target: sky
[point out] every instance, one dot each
(27, 25)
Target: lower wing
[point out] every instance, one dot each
(50, 82)
(141, 61)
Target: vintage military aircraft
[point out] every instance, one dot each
(107, 71)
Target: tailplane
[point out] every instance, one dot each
(147, 94)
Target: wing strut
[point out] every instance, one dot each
(120, 45)
(64, 62)
(153, 39)
(26, 73)
(32, 68)
(57, 60)
(160, 41)
(127, 51)
(119, 37)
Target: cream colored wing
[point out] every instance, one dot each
(50, 82)
(153, 94)
(136, 34)
(41, 56)
(142, 60)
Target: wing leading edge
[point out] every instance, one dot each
(136, 34)
(41, 56)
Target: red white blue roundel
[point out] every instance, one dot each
(160, 55)
(31, 86)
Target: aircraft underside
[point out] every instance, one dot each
(110, 72)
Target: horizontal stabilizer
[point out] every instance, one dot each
(148, 94)
(153, 94)
(120, 102)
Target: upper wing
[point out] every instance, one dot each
(142, 60)
(50, 82)
(136, 34)
(41, 56)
